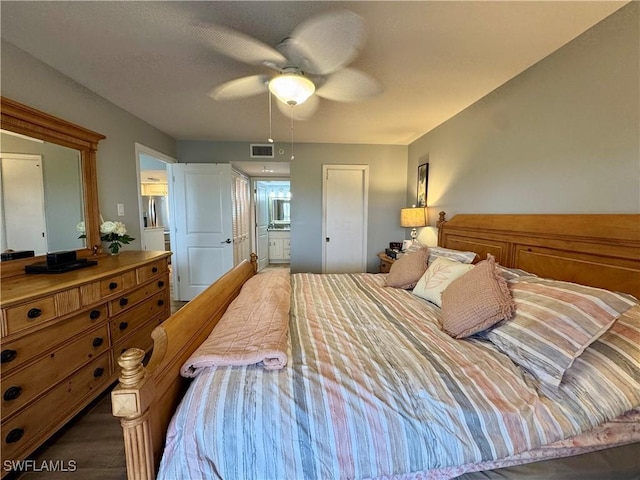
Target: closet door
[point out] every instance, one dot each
(344, 227)
(262, 225)
(241, 217)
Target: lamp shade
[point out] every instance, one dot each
(413, 217)
(292, 88)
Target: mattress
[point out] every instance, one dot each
(374, 388)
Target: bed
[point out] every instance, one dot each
(442, 424)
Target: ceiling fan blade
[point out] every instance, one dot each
(327, 42)
(302, 111)
(349, 85)
(240, 46)
(241, 87)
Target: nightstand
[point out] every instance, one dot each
(385, 262)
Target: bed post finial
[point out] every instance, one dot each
(441, 221)
(132, 370)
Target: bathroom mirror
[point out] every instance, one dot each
(280, 211)
(76, 146)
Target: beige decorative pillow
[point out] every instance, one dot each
(476, 300)
(438, 277)
(407, 270)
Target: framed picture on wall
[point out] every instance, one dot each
(423, 181)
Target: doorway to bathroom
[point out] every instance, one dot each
(273, 222)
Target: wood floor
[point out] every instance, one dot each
(90, 447)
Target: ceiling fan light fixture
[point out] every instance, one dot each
(292, 88)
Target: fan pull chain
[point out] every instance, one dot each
(292, 156)
(270, 139)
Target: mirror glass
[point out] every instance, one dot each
(280, 211)
(41, 195)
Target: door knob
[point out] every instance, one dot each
(228, 240)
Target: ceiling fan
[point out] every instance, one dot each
(309, 64)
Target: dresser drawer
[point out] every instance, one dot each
(25, 431)
(151, 270)
(136, 316)
(131, 298)
(141, 338)
(17, 352)
(30, 314)
(24, 385)
(96, 291)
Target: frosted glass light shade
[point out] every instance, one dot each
(291, 88)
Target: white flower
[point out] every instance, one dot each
(80, 228)
(119, 228)
(107, 227)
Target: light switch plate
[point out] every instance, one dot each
(121, 209)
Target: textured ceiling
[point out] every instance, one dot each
(433, 59)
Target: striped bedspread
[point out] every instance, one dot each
(374, 389)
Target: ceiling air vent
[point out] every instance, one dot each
(261, 151)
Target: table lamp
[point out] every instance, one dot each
(412, 218)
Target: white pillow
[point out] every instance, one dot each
(438, 277)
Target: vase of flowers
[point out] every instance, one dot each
(115, 233)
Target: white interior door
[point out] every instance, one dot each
(345, 206)
(241, 217)
(24, 222)
(262, 225)
(200, 198)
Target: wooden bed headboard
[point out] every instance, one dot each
(597, 250)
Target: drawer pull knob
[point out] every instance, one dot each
(12, 393)
(98, 372)
(160, 284)
(97, 341)
(34, 313)
(113, 286)
(160, 302)
(8, 355)
(123, 325)
(14, 435)
(94, 314)
(124, 301)
(154, 270)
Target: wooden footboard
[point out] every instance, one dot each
(147, 396)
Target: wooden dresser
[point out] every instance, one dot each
(61, 337)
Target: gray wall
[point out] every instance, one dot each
(387, 191)
(29, 81)
(562, 137)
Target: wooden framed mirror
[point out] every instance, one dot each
(23, 120)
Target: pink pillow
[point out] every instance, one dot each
(407, 270)
(477, 300)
